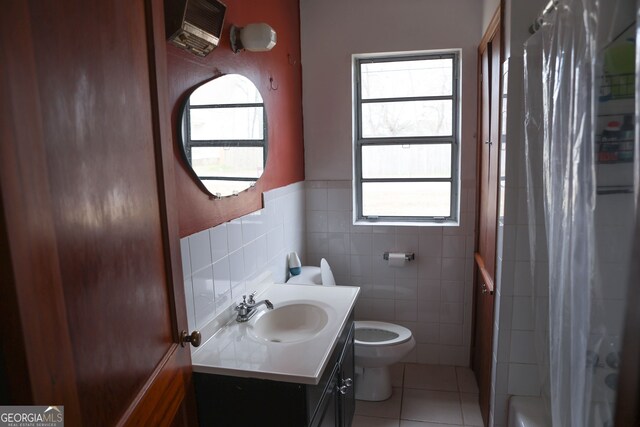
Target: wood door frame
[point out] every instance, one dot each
(495, 25)
(173, 373)
(628, 397)
(494, 28)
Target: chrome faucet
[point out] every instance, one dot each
(247, 309)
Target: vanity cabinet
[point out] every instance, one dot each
(236, 401)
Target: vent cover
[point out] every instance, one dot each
(194, 25)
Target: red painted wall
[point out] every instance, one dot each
(285, 162)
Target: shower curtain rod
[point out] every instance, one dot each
(540, 20)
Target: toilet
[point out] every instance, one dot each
(378, 345)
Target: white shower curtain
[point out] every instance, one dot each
(563, 66)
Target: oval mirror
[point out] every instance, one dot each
(224, 134)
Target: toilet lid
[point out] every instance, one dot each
(371, 333)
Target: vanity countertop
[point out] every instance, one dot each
(235, 350)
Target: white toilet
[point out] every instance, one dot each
(378, 345)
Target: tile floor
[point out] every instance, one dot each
(424, 396)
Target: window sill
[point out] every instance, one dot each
(445, 223)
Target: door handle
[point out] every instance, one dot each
(195, 338)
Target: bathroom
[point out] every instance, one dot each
(113, 234)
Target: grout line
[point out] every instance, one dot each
(459, 384)
(461, 410)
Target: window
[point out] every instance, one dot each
(406, 138)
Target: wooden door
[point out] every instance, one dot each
(628, 395)
(489, 55)
(91, 292)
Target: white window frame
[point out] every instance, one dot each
(359, 141)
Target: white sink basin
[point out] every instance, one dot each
(290, 323)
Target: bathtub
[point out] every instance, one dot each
(527, 412)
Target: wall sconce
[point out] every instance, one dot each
(253, 37)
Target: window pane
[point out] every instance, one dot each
(226, 188)
(427, 77)
(208, 124)
(405, 119)
(245, 162)
(406, 161)
(406, 199)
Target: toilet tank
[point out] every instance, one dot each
(308, 276)
(311, 275)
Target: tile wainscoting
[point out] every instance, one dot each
(219, 262)
(432, 295)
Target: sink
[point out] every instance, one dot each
(290, 343)
(290, 323)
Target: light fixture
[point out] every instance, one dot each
(258, 37)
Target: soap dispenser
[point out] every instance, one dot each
(295, 266)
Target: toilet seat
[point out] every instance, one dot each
(382, 333)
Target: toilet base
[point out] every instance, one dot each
(373, 384)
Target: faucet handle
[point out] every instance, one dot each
(242, 305)
(251, 295)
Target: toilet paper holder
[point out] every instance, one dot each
(408, 256)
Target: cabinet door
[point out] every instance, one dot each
(347, 376)
(327, 415)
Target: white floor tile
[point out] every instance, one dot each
(397, 375)
(362, 421)
(434, 396)
(471, 410)
(389, 408)
(430, 377)
(466, 380)
(432, 406)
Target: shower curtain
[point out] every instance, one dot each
(578, 159)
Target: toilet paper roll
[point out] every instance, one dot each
(397, 259)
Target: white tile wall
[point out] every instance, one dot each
(431, 295)
(219, 262)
